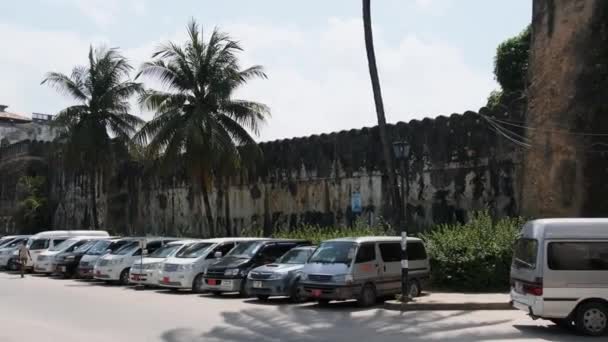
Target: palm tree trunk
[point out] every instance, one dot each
(93, 194)
(208, 213)
(386, 147)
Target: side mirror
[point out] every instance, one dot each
(144, 252)
(108, 251)
(217, 255)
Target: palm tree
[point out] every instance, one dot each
(100, 119)
(197, 121)
(386, 147)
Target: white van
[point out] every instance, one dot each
(115, 266)
(185, 270)
(146, 270)
(46, 263)
(8, 248)
(560, 272)
(43, 241)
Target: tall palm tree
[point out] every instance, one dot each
(386, 146)
(100, 119)
(197, 121)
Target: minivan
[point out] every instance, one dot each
(46, 262)
(99, 249)
(185, 269)
(146, 271)
(560, 272)
(115, 265)
(229, 274)
(9, 248)
(362, 268)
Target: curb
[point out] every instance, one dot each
(413, 306)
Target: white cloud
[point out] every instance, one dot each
(105, 12)
(318, 78)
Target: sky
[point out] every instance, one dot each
(435, 57)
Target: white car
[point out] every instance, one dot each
(185, 270)
(146, 270)
(115, 265)
(43, 241)
(101, 248)
(8, 249)
(45, 263)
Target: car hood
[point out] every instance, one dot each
(229, 262)
(279, 268)
(147, 261)
(333, 269)
(180, 261)
(114, 257)
(49, 253)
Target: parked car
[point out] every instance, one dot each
(282, 277)
(101, 248)
(146, 270)
(115, 265)
(43, 241)
(229, 274)
(46, 262)
(7, 239)
(363, 268)
(185, 269)
(8, 249)
(560, 272)
(66, 263)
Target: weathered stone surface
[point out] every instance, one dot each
(457, 164)
(565, 170)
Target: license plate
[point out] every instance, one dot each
(212, 282)
(226, 284)
(519, 287)
(257, 284)
(316, 293)
(136, 277)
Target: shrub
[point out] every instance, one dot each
(473, 256)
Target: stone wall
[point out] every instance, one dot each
(458, 164)
(12, 133)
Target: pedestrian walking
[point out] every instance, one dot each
(24, 255)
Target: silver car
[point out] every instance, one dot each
(280, 278)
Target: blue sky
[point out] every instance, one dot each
(435, 56)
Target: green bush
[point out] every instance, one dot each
(474, 256)
(316, 234)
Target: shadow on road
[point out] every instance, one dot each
(343, 323)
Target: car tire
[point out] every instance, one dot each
(295, 295)
(197, 284)
(592, 318)
(414, 288)
(124, 277)
(243, 291)
(367, 297)
(263, 298)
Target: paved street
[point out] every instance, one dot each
(43, 309)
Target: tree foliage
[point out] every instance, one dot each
(198, 123)
(100, 118)
(32, 210)
(511, 61)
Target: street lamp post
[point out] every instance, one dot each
(401, 150)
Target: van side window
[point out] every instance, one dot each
(366, 253)
(225, 248)
(137, 252)
(390, 252)
(416, 251)
(578, 256)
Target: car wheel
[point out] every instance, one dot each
(565, 323)
(197, 285)
(295, 294)
(124, 277)
(243, 291)
(592, 318)
(414, 288)
(367, 297)
(263, 298)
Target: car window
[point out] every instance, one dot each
(295, 256)
(165, 251)
(525, 253)
(57, 242)
(334, 252)
(390, 252)
(99, 247)
(39, 244)
(75, 246)
(194, 251)
(246, 250)
(224, 249)
(366, 253)
(415, 251)
(578, 256)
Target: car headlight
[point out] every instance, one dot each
(277, 276)
(70, 258)
(231, 272)
(343, 278)
(186, 267)
(116, 262)
(304, 276)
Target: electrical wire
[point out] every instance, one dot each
(560, 131)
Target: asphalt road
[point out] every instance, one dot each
(44, 309)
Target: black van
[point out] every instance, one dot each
(229, 274)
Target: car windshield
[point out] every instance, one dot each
(6, 242)
(194, 251)
(525, 252)
(99, 247)
(14, 243)
(126, 249)
(65, 244)
(334, 252)
(165, 251)
(39, 244)
(246, 250)
(85, 247)
(295, 256)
